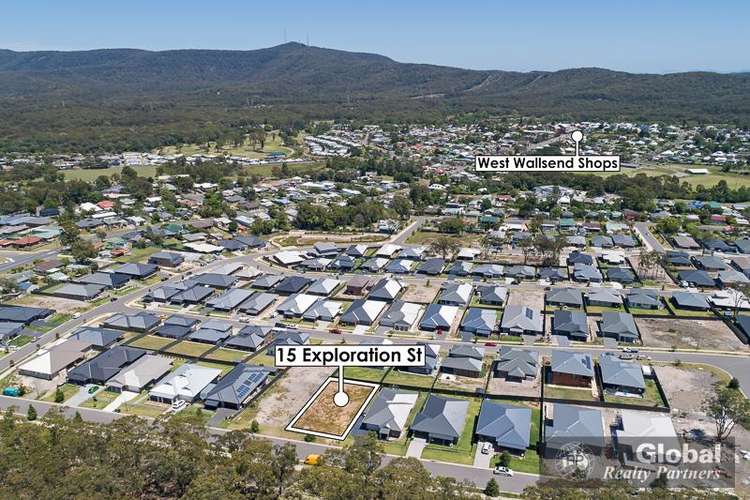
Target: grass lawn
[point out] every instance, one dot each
(225, 368)
(21, 340)
(124, 291)
(650, 398)
(151, 342)
(364, 373)
(225, 354)
(57, 320)
(100, 400)
(560, 392)
(273, 143)
(189, 348)
(142, 407)
(635, 311)
(398, 377)
(528, 463)
(601, 309)
(427, 237)
(463, 451)
(712, 178)
(262, 359)
(137, 255)
(67, 389)
(91, 174)
(687, 313)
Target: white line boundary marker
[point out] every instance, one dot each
(373, 389)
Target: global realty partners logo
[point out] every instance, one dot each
(575, 461)
(531, 163)
(640, 461)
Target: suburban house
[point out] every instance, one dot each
(166, 259)
(235, 389)
(565, 297)
(386, 289)
(516, 364)
(572, 424)
(455, 294)
(184, 383)
(431, 360)
(137, 322)
(230, 299)
(257, 303)
(401, 315)
(295, 305)
(249, 338)
(323, 286)
(690, 301)
(438, 317)
(323, 310)
(621, 377)
(98, 338)
(586, 273)
(640, 298)
(388, 412)
(619, 326)
(571, 368)
(479, 321)
(506, 427)
(636, 427)
(464, 360)
(602, 297)
(141, 374)
(363, 312)
(492, 295)
(441, 421)
(104, 366)
(521, 320)
(571, 324)
(49, 362)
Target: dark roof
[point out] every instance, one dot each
(99, 337)
(696, 277)
(192, 295)
(137, 270)
(234, 388)
(141, 321)
(620, 324)
(105, 365)
(616, 371)
(573, 363)
(505, 425)
(565, 296)
(576, 257)
(214, 280)
(23, 314)
(620, 275)
(110, 280)
(432, 266)
(173, 331)
(690, 300)
(570, 322)
(516, 362)
(442, 418)
(292, 284)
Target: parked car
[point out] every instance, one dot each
(337, 331)
(486, 448)
(178, 405)
(503, 471)
(312, 460)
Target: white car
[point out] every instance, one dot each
(486, 448)
(503, 471)
(178, 405)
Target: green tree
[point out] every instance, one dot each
(726, 407)
(59, 395)
(492, 489)
(31, 413)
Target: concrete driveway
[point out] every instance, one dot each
(121, 399)
(483, 460)
(79, 397)
(416, 447)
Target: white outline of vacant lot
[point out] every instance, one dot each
(312, 399)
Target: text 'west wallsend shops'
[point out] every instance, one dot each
(547, 163)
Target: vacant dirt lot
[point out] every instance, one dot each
(57, 304)
(324, 416)
(282, 402)
(530, 295)
(525, 388)
(420, 293)
(658, 274)
(687, 334)
(686, 386)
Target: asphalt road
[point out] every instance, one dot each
(516, 484)
(648, 239)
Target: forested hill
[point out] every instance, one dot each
(47, 93)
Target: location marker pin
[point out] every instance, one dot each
(577, 137)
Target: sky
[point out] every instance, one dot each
(657, 36)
